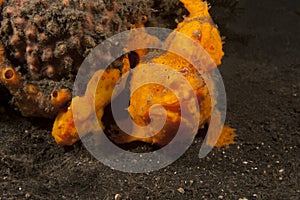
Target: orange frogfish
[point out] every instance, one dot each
(143, 100)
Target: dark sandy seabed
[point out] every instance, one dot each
(261, 71)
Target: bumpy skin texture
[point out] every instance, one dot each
(45, 41)
(200, 28)
(64, 131)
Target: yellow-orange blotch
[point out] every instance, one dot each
(64, 131)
